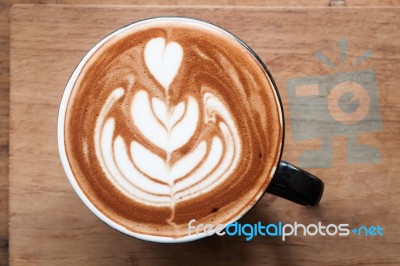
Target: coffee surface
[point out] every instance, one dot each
(172, 120)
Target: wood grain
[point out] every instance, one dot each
(50, 226)
(4, 117)
(291, 3)
(4, 73)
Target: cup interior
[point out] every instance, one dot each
(62, 117)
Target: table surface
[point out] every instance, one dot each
(47, 219)
(356, 193)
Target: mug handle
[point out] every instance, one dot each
(295, 184)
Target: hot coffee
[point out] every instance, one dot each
(169, 120)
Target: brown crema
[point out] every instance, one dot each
(213, 62)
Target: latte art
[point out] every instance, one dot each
(136, 169)
(169, 122)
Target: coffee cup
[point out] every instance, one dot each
(171, 119)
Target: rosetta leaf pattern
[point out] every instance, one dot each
(168, 132)
(141, 173)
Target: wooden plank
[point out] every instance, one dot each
(4, 118)
(4, 84)
(50, 226)
(289, 3)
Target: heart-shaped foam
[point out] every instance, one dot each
(163, 60)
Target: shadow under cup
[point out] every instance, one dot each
(276, 177)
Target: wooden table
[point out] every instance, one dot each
(50, 226)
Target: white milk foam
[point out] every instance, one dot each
(141, 174)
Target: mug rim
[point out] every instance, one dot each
(63, 109)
